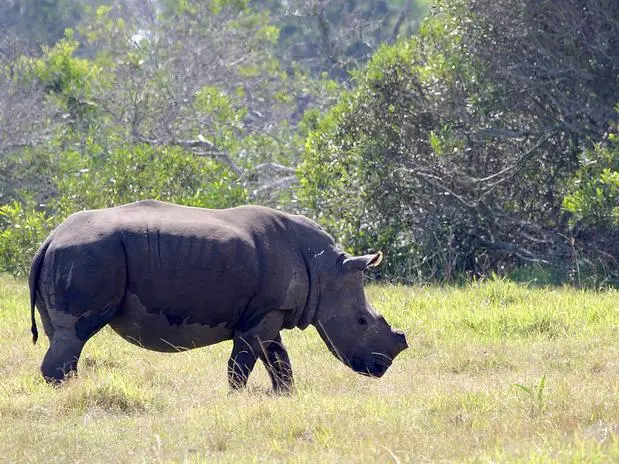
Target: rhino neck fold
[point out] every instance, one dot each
(316, 247)
(303, 317)
(308, 314)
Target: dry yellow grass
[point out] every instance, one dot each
(495, 373)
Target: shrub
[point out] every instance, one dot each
(22, 230)
(99, 180)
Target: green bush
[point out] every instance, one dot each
(22, 230)
(594, 197)
(137, 172)
(457, 167)
(101, 180)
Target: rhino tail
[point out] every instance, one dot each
(33, 281)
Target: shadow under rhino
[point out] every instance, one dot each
(169, 278)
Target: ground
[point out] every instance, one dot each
(495, 372)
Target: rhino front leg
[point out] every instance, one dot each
(241, 362)
(277, 362)
(261, 341)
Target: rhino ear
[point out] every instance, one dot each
(360, 263)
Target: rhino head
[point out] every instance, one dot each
(354, 332)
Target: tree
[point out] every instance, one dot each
(204, 76)
(593, 198)
(39, 22)
(179, 108)
(338, 37)
(457, 147)
(198, 75)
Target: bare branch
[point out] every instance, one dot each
(403, 13)
(280, 184)
(325, 34)
(274, 167)
(197, 148)
(517, 166)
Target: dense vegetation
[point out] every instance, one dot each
(482, 139)
(486, 141)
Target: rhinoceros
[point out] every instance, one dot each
(171, 278)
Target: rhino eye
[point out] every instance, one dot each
(362, 321)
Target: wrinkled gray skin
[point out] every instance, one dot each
(171, 278)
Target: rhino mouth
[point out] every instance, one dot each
(374, 365)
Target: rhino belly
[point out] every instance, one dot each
(155, 331)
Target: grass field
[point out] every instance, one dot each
(495, 373)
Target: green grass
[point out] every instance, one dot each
(496, 372)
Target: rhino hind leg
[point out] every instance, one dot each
(264, 342)
(61, 358)
(68, 334)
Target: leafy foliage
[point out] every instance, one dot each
(594, 197)
(140, 172)
(41, 22)
(456, 148)
(147, 107)
(97, 180)
(337, 37)
(479, 145)
(22, 230)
